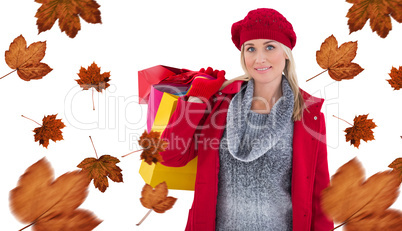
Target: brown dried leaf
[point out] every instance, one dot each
(338, 61)
(100, 169)
(396, 78)
(379, 13)
(78, 220)
(41, 201)
(67, 12)
(361, 130)
(27, 60)
(157, 198)
(92, 77)
(152, 145)
(397, 166)
(50, 129)
(389, 220)
(351, 200)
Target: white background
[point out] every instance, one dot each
(184, 34)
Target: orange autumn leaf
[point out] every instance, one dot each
(100, 169)
(379, 13)
(361, 130)
(338, 60)
(92, 77)
(396, 78)
(157, 199)
(48, 204)
(50, 130)
(357, 203)
(67, 12)
(390, 220)
(152, 145)
(26, 60)
(397, 166)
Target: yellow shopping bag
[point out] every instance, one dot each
(182, 178)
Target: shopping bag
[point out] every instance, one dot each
(156, 93)
(158, 74)
(160, 87)
(182, 178)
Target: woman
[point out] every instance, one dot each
(261, 145)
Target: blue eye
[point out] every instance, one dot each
(250, 49)
(270, 47)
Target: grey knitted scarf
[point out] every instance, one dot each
(279, 118)
(254, 187)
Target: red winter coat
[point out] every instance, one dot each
(195, 129)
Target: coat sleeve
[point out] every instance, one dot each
(321, 181)
(180, 133)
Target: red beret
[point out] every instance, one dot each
(263, 23)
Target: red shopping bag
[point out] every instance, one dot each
(158, 74)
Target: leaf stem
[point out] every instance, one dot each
(343, 120)
(31, 120)
(131, 153)
(339, 225)
(94, 147)
(145, 217)
(93, 103)
(316, 75)
(27, 226)
(8, 74)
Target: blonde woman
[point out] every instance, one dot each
(260, 141)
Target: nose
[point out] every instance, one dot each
(260, 57)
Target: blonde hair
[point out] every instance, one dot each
(291, 76)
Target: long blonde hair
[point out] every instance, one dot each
(291, 76)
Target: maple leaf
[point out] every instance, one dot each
(361, 129)
(50, 129)
(152, 145)
(338, 61)
(67, 12)
(46, 204)
(378, 12)
(92, 77)
(390, 220)
(26, 61)
(357, 203)
(396, 78)
(397, 166)
(157, 198)
(100, 169)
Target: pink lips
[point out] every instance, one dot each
(262, 70)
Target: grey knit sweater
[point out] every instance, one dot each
(256, 165)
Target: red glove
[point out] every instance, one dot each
(204, 86)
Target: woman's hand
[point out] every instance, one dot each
(203, 86)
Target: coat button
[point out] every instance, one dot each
(315, 117)
(219, 93)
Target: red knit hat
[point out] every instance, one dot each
(263, 23)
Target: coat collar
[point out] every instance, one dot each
(234, 87)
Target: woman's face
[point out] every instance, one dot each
(265, 60)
